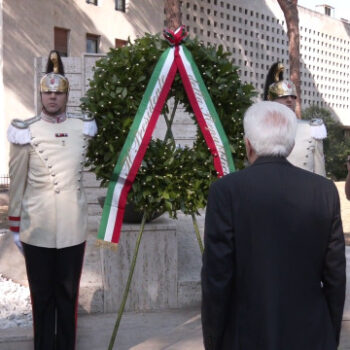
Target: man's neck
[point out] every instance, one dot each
(59, 118)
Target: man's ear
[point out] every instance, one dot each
(251, 155)
(248, 147)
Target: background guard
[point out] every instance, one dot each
(308, 150)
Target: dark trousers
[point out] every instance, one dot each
(54, 277)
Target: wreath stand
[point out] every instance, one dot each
(175, 58)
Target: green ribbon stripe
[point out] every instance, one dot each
(129, 141)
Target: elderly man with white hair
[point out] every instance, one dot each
(273, 275)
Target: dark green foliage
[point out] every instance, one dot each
(336, 146)
(170, 178)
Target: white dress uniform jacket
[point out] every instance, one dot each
(47, 201)
(308, 149)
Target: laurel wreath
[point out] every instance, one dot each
(171, 178)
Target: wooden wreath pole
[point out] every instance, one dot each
(169, 135)
(169, 122)
(127, 287)
(198, 235)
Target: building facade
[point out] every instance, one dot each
(253, 31)
(31, 28)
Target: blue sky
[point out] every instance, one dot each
(341, 7)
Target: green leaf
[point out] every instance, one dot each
(124, 92)
(141, 78)
(165, 195)
(170, 179)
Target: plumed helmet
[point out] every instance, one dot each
(276, 86)
(54, 79)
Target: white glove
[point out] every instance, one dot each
(17, 241)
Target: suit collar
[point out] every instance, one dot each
(271, 159)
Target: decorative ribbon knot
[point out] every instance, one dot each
(176, 37)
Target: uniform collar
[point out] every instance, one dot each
(54, 120)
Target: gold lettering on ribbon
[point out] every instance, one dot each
(140, 133)
(209, 119)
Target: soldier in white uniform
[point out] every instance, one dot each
(47, 207)
(347, 181)
(308, 150)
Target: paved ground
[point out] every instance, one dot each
(162, 330)
(165, 330)
(345, 336)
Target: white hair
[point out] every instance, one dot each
(270, 128)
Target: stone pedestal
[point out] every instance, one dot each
(155, 280)
(167, 272)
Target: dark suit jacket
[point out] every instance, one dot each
(273, 275)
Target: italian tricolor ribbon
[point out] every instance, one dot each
(175, 58)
